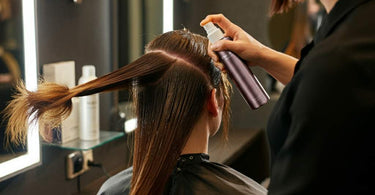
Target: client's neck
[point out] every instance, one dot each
(198, 140)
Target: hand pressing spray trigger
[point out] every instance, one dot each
(252, 91)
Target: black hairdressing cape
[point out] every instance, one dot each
(194, 174)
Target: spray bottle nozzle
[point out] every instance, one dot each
(209, 27)
(213, 33)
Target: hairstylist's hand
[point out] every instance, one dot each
(243, 44)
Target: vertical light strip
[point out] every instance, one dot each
(31, 71)
(29, 44)
(33, 148)
(167, 15)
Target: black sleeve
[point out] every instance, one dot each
(330, 141)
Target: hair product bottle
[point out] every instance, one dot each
(88, 108)
(251, 89)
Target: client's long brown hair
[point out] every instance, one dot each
(171, 84)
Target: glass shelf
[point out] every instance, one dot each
(77, 144)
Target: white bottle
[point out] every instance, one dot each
(88, 108)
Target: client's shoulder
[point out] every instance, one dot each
(117, 184)
(195, 174)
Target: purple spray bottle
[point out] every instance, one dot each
(251, 89)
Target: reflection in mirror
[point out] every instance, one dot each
(11, 63)
(17, 61)
(290, 32)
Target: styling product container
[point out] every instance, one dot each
(88, 108)
(251, 89)
(69, 128)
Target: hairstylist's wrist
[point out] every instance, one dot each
(261, 56)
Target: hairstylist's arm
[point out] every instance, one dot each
(279, 65)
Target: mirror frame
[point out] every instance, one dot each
(32, 158)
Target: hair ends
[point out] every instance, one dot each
(43, 106)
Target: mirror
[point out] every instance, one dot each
(18, 59)
(290, 32)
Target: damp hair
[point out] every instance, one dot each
(170, 83)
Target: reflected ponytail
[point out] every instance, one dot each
(280, 6)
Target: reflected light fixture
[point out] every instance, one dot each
(130, 125)
(167, 15)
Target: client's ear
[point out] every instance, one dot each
(212, 104)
